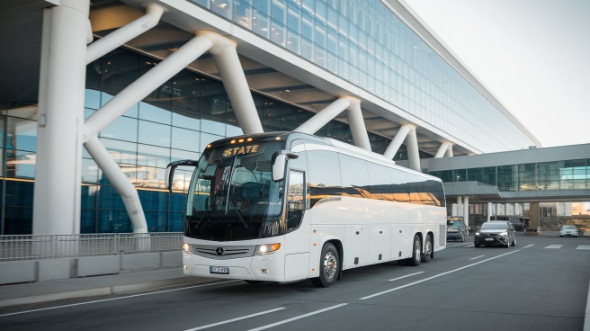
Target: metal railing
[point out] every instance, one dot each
(38, 247)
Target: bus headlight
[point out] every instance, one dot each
(267, 249)
(186, 248)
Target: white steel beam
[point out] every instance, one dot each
(397, 141)
(56, 205)
(234, 80)
(324, 116)
(122, 35)
(412, 147)
(443, 150)
(117, 106)
(147, 83)
(120, 182)
(356, 122)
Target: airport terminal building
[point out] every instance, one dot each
(99, 96)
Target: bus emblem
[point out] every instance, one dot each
(219, 251)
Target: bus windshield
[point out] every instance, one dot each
(232, 195)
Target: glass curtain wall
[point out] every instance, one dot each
(365, 43)
(555, 175)
(174, 122)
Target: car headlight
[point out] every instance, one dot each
(477, 233)
(186, 248)
(504, 234)
(267, 249)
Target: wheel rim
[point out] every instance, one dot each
(428, 249)
(330, 265)
(417, 250)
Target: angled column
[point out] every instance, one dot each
(412, 146)
(397, 141)
(320, 119)
(445, 149)
(356, 122)
(234, 80)
(56, 205)
(119, 104)
(122, 35)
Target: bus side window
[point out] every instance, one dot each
(295, 199)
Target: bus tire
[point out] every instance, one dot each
(428, 250)
(329, 266)
(416, 252)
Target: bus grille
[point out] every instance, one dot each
(223, 252)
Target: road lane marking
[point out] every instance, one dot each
(531, 245)
(236, 319)
(554, 246)
(118, 298)
(297, 317)
(477, 257)
(583, 247)
(410, 275)
(457, 245)
(436, 276)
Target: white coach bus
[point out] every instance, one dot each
(287, 206)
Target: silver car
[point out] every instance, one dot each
(495, 233)
(569, 231)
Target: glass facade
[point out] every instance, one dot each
(555, 175)
(174, 122)
(365, 43)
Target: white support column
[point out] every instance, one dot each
(147, 83)
(234, 80)
(122, 35)
(449, 152)
(466, 211)
(459, 206)
(356, 122)
(397, 141)
(324, 116)
(56, 205)
(412, 147)
(443, 149)
(120, 182)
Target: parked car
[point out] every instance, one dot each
(456, 230)
(495, 233)
(569, 231)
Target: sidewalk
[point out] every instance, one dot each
(53, 290)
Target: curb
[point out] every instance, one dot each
(99, 291)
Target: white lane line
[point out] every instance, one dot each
(477, 257)
(457, 245)
(410, 275)
(297, 317)
(118, 298)
(527, 246)
(554, 246)
(436, 276)
(235, 319)
(583, 247)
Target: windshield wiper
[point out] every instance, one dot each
(231, 203)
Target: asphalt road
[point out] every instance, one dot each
(540, 284)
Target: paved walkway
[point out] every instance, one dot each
(53, 290)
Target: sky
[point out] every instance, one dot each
(533, 55)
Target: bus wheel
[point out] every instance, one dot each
(427, 249)
(329, 267)
(416, 252)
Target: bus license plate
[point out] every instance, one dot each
(218, 270)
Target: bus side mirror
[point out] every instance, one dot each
(169, 176)
(278, 166)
